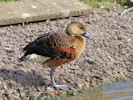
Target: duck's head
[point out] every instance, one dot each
(77, 29)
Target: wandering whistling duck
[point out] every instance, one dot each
(57, 48)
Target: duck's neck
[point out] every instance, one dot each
(81, 41)
(81, 38)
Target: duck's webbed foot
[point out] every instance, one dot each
(53, 83)
(61, 87)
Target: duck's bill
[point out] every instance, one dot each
(87, 35)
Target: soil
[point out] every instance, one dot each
(108, 56)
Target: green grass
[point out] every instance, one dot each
(103, 4)
(7, 0)
(122, 2)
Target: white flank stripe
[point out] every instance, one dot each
(37, 58)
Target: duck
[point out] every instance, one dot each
(55, 49)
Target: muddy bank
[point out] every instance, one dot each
(107, 57)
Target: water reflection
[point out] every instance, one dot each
(119, 84)
(123, 98)
(114, 91)
(118, 91)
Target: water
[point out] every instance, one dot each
(114, 91)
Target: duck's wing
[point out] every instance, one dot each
(39, 40)
(51, 45)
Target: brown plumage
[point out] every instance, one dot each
(57, 48)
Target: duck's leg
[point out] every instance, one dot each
(53, 83)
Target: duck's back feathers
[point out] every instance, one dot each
(54, 46)
(39, 41)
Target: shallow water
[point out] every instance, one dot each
(114, 91)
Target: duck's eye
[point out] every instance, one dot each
(81, 27)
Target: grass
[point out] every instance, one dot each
(103, 4)
(6, 0)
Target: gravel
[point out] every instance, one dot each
(108, 56)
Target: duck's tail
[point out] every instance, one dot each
(23, 58)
